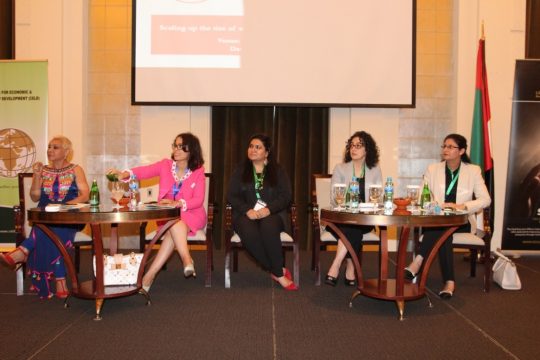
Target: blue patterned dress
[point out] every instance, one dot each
(45, 261)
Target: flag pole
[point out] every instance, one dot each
(482, 31)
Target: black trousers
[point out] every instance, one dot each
(261, 238)
(354, 233)
(446, 254)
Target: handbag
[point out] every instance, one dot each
(505, 272)
(120, 269)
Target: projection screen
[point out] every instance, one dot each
(294, 52)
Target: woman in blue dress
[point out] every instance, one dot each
(60, 182)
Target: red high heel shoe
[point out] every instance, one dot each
(61, 289)
(287, 273)
(7, 259)
(291, 287)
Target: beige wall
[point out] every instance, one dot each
(90, 84)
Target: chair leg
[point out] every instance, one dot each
(209, 265)
(227, 268)
(296, 264)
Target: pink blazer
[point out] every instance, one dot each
(192, 190)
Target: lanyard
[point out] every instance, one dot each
(258, 180)
(354, 177)
(176, 189)
(455, 177)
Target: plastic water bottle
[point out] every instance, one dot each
(354, 194)
(133, 192)
(94, 194)
(388, 194)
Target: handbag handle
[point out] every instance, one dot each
(501, 255)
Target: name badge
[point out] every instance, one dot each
(259, 205)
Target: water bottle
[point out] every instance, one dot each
(94, 194)
(388, 194)
(354, 194)
(425, 197)
(133, 192)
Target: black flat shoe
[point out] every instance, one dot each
(409, 275)
(330, 280)
(349, 282)
(446, 294)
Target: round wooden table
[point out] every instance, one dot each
(383, 287)
(95, 217)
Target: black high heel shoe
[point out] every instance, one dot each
(409, 275)
(330, 280)
(349, 282)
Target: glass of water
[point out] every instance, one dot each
(338, 192)
(375, 192)
(413, 191)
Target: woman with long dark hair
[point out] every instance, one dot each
(452, 182)
(360, 163)
(182, 184)
(260, 193)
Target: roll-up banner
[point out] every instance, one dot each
(23, 131)
(521, 225)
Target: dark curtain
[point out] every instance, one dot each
(7, 31)
(532, 32)
(300, 137)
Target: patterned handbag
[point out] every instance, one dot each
(120, 269)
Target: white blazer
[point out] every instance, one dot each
(470, 182)
(343, 173)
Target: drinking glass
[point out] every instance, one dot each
(117, 193)
(338, 192)
(375, 192)
(412, 193)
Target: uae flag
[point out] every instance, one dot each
(480, 138)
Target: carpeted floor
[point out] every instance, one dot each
(255, 319)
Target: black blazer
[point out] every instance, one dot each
(242, 195)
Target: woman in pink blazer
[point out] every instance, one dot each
(452, 182)
(182, 184)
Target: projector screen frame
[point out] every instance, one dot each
(410, 104)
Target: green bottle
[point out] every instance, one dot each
(426, 195)
(94, 194)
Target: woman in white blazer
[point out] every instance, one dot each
(360, 161)
(452, 182)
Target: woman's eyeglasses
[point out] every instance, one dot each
(256, 146)
(184, 148)
(449, 147)
(356, 146)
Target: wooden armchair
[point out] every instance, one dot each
(321, 238)
(478, 242)
(233, 244)
(202, 237)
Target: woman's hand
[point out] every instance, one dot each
(252, 214)
(37, 168)
(121, 175)
(262, 213)
(454, 206)
(257, 214)
(169, 202)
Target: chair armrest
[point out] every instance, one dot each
(212, 209)
(294, 220)
(315, 223)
